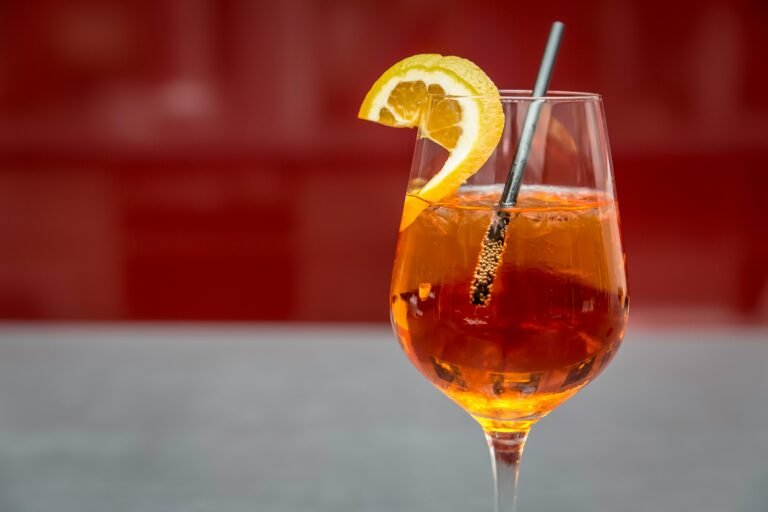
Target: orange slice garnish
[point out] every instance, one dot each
(465, 117)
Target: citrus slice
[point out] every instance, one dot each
(465, 117)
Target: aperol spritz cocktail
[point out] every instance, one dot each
(556, 315)
(511, 306)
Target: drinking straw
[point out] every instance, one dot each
(515, 178)
(495, 238)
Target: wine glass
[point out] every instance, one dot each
(557, 309)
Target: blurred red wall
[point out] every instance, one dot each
(201, 159)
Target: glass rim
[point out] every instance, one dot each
(510, 95)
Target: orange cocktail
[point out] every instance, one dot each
(557, 312)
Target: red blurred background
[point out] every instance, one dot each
(201, 159)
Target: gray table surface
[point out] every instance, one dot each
(287, 419)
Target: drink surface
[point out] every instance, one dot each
(558, 304)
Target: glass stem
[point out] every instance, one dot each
(506, 452)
